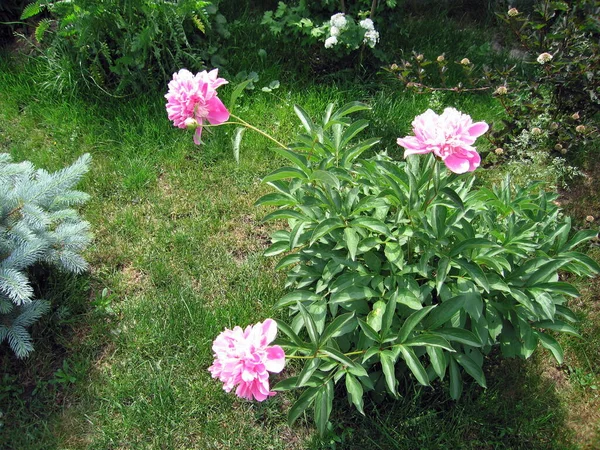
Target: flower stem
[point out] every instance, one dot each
(247, 125)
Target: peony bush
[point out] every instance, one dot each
(397, 269)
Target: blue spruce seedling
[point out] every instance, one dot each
(37, 225)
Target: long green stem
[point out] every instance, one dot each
(252, 127)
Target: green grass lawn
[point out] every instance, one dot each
(121, 362)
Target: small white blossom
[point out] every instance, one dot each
(339, 21)
(367, 24)
(544, 58)
(513, 12)
(334, 31)
(330, 41)
(371, 38)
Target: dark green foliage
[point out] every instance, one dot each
(37, 224)
(126, 46)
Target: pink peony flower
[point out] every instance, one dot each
(449, 136)
(243, 358)
(195, 97)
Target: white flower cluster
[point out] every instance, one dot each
(330, 41)
(338, 21)
(371, 36)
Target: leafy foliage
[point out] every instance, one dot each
(404, 268)
(37, 224)
(128, 46)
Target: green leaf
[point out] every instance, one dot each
(352, 153)
(459, 335)
(355, 389)
(283, 173)
(448, 192)
(444, 311)
(303, 402)
(456, 384)
(475, 272)
(438, 360)
(412, 321)
(578, 238)
(237, 91)
(414, 365)
(296, 158)
(276, 199)
(349, 108)
(549, 343)
(441, 272)
(285, 214)
(389, 370)
(471, 367)
(557, 325)
(323, 407)
(307, 371)
(390, 311)
(339, 326)
(546, 271)
(276, 248)
(289, 260)
(325, 227)
(393, 252)
(351, 294)
(352, 240)
(469, 244)
(326, 178)
(308, 124)
(338, 356)
(354, 128)
(309, 323)
(558, 287)
(287, 330)
(375, 317)
(374, 225)
(369, 331)
(429, 340)
(296, 296)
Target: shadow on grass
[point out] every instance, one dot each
(519, 410)
(35, 391)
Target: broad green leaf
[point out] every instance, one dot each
(545, 272)
(297, 236)
(352, 153)
(456, 383)
(237, 91)
(414, 365)
(284, 173)
(459, 335)
(296, 296)
(327, 178)
(412, 321)
(277, 248)
(557, 325)
(339, 326)
(307, 371)
(296, 158)
(351, 294)
(369, 223)
(471, 367)
(352, 240)
(578, 238)
(438, 360)
(350, 132)
(349, 108)
(303, 402)
(287, 330)
(429, 340)
(558, 287)
(470, 244)
(355, 389)
(309, 323)
(355, 368)
(549, 343)
(441, 272)
(308, 124)
(276, 199)
(393, 252)
(444, 311)
(369, 331)
(375, 317)
(323, 407)
(325, 227)
(448, 192)
(389, 370)
(390, 312)
(289, 260)
(475, 272)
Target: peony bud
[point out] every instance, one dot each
(512, 12)
(563, 151)
(394, 67)
(499, 151)
(501, 90)
(575, 116)
(558, 147)
(440, 58)
(419, 57)
(191, 123)
(580, 128)
(465, 61)
(589, 219)
(536, 131)
(554, 126)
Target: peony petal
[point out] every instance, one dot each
(478, 128)
(457, 164)
(275, 359)
(198, 134)
(269, 330)
(217, 112)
